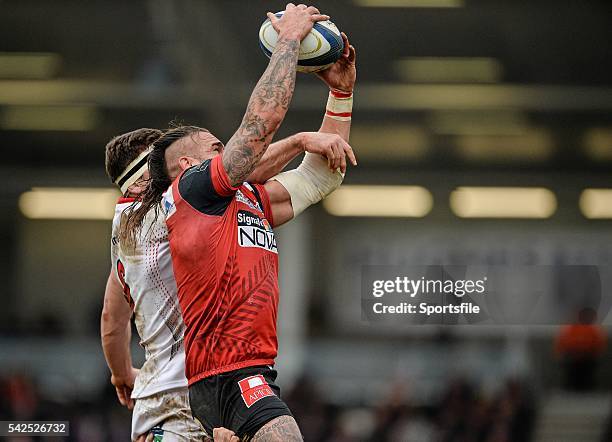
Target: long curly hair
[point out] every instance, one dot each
(158, 183)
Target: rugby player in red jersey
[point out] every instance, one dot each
(141, 283)
(223, 247)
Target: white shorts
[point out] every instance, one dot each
(169, 410)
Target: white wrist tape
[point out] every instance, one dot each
(310, 182)
(339, 105)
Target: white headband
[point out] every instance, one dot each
(133, 171)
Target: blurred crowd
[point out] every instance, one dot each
(100, 419)
(462, 414)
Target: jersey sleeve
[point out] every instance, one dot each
(207, 188)
(220, 179)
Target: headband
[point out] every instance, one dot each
(133, 171)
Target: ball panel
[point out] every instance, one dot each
(329, 25)
(268, 36)
(314, 45)
(332, 37)
(336, 46)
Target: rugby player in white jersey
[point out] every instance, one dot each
(148, 291)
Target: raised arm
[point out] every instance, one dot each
(280, 153)
(276, 158)
(271, 97)
(293, 191)
(340, 78)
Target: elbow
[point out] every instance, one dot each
(105, 318)
(106, 329)
(110, 323)
(106, 315)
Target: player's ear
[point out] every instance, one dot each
(186, 162)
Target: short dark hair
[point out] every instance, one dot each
(124, 148)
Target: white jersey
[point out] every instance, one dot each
(147, 277)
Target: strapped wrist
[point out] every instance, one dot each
(339, 93)
(339, 105)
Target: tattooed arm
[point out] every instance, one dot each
(277, 156)
(280, 153)
(271, 97)
(280, 429)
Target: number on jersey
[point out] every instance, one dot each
(126, 288)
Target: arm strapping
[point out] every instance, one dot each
(310, 182)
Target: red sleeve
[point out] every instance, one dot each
(220, 180)
(265, 201)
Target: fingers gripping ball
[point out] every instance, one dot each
(319, 50)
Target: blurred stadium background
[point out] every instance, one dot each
(452, 96)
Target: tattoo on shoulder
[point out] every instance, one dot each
(271, 95)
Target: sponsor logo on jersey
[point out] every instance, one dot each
(253, 389)
(243, 199)
(254, 231)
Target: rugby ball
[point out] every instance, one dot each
(319, 50)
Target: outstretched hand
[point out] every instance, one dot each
(342, 74)
(297, 21)
(332, 147)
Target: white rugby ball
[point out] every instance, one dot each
(319, 50)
